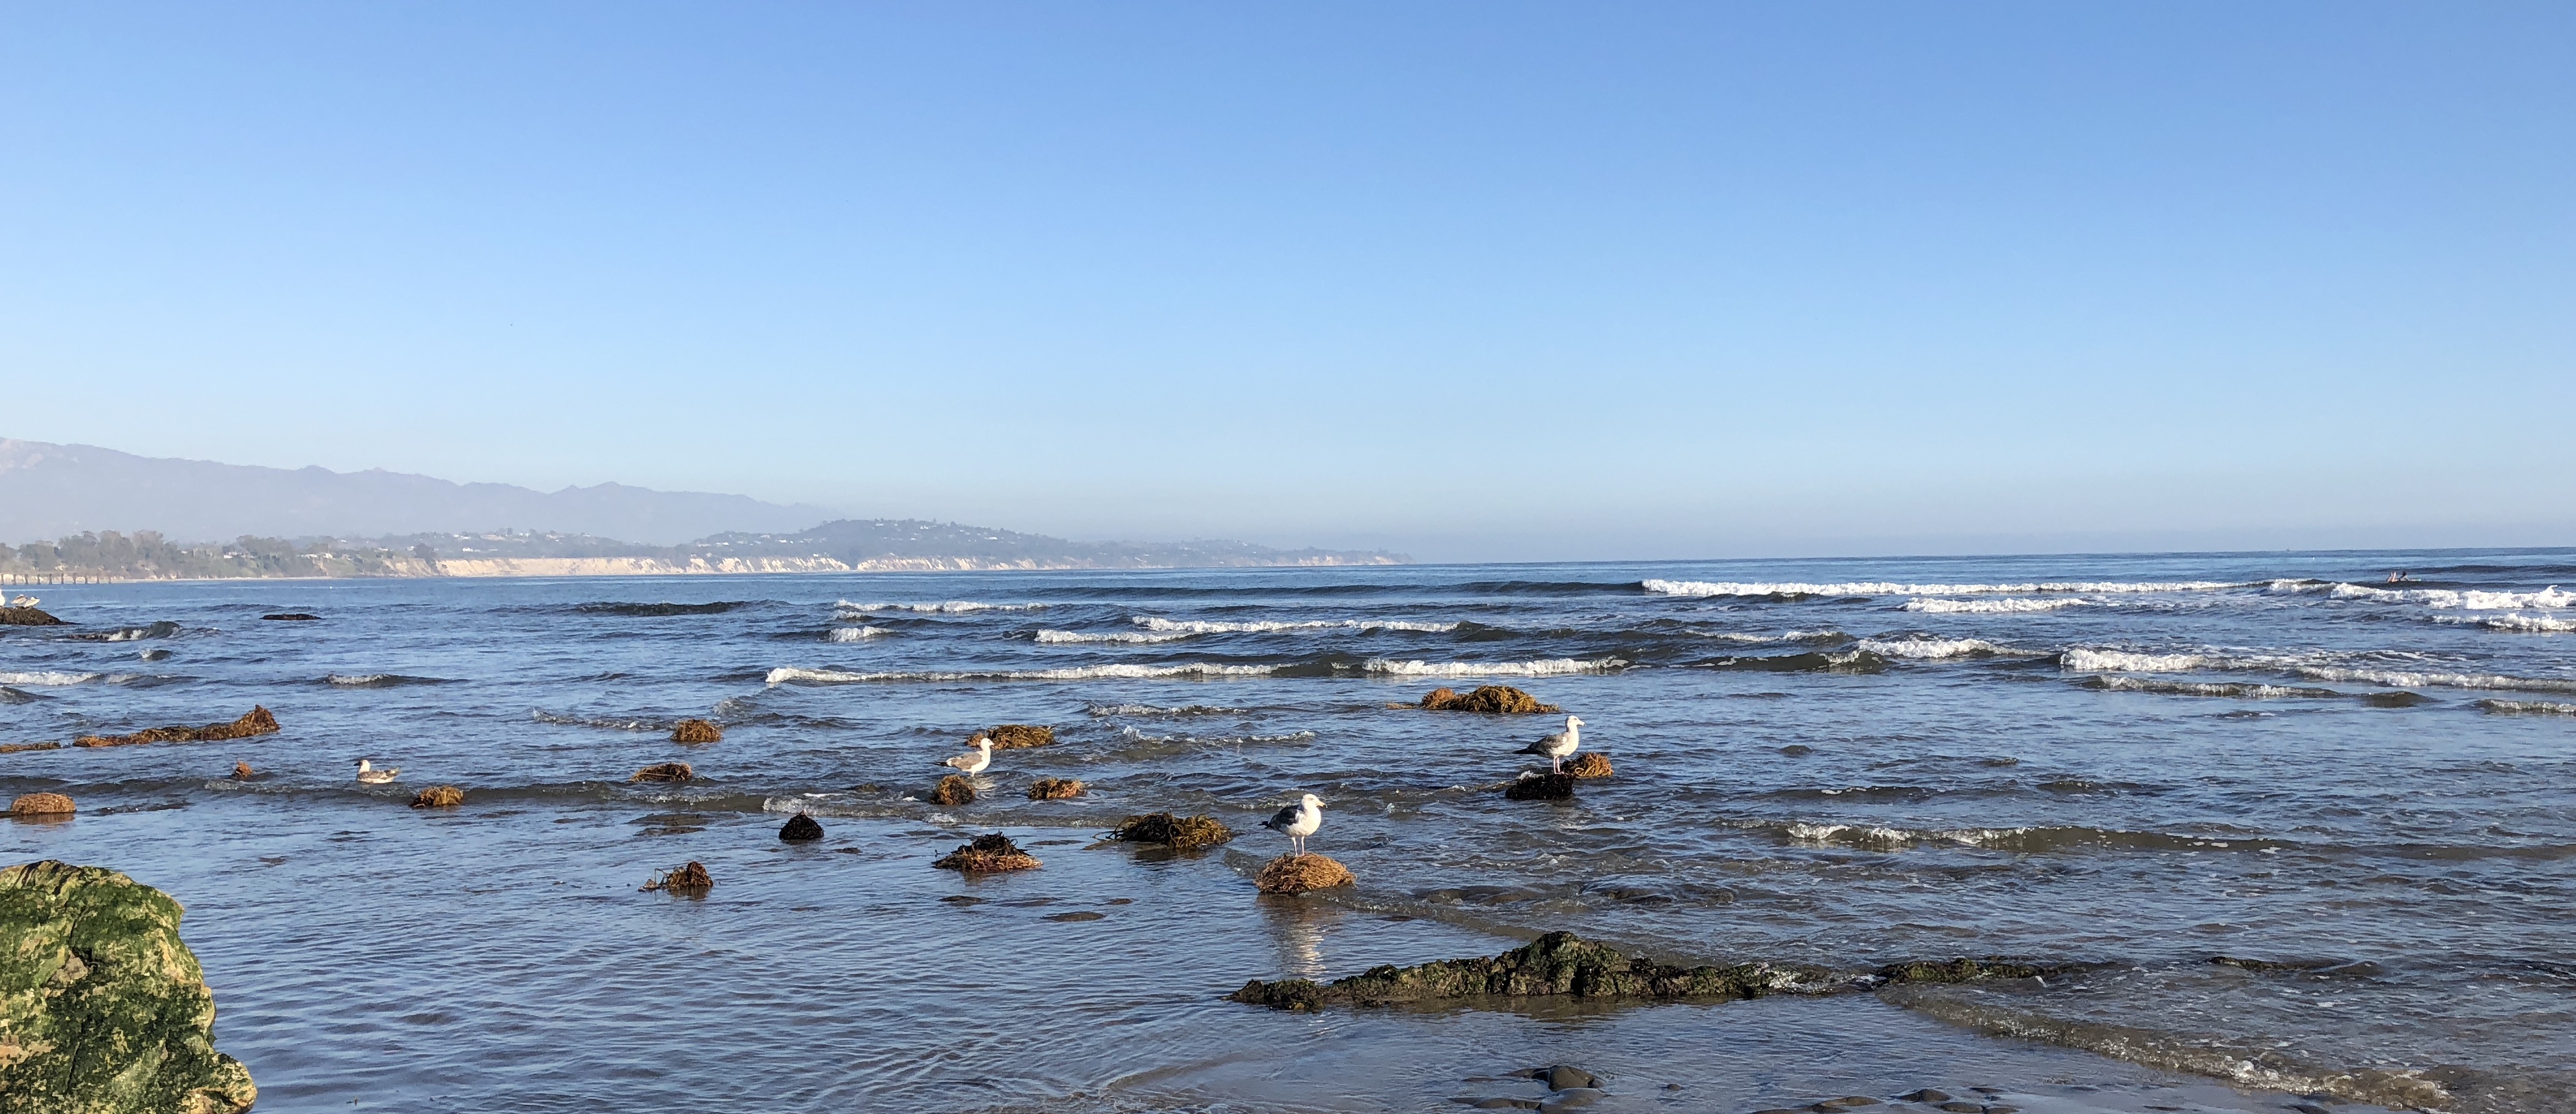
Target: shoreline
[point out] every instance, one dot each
(538, 568)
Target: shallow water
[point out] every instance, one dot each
(2131, 763)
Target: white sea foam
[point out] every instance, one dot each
(1929, 648)
(2528, 707)
(360, 680)
(1189, 627)
(949, 607)
(2549, 597)
(854, 634)
(1155, 710)
(2529, 624)
(2085, 660)
(1122, 636)
(2008, 605)
(2203, 688)
(47, 678)
(1893, 838)
(1549, 668)
(2403, 678)
(790, 675)
(1883, 588)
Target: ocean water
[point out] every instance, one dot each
(2130, 764)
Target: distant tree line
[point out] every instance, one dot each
(146, 555)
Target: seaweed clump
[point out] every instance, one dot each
(692, 878)
(1295, 873)
(696, 731)
(665, 771)
(1502, 699)
(1541, 787)
(1054, 789)
(988, 854)
(41, 804)
(257, 721)
(243, 772)
(438, 796)
(1180, 833)
(1016, 736)
(1590, 763)
(952, 791)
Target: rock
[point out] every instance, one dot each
(243, 772)
(1559, 963)
(1054, 789)
(13, 748)
(102, 1006)
(26, 617)
(1076, 916)
(1487, 698)
(799, 828)
(1294, 873)
(1180, 833)
(438, 796)
(988, 854)
(1591, 763)
(696, 731)
(692, 878)
(1926, 1095)
(1563, 1076)
(291, 617)
(257, 721)
(1961, 970)
(1960, 1107)
(1541, 787)
(952, 791)
(1847, 1102)
(41, 804)
(665, 771)
(1016, 736)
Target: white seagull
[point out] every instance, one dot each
(1560, 746)
(974, 763)
(1298, 821)
(368, 773)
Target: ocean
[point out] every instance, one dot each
(2360, 793)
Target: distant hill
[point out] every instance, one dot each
(52, 491)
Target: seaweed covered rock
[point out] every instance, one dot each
(1962, 970)
(800, 828)
(102, 1006)
(691, 878)
(257, 721)
(952, 791)
(1590, 763)
(665, 771)
(1054, 789)
(1502, 699)
(1295, 873)
(1017, 736)
(26, 617)
(1541, 787)
(1559, 963)
(41, 804)
(696, 731)
(438, 796)
(13, 748)
(988, 854)
(243, 772)
(1180, 833)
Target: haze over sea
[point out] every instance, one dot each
(2135, 763)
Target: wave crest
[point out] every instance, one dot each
(1884, 588)
(788, 675)
(1554, 667)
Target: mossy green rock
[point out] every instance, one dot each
(102, 1009)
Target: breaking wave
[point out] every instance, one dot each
(1190, 627)
(1934, 648)
(1813, 661)
(48, 677)
(794, 676)
(2242, 690)
(1121, 636)
(2463, 600)
(2084, 660)
(949, 607)
(380, 680)
(1984, 607)
(1153, 710)
(1882, 588)
(2528, 624)
(562, 719)
(2412, 679)
(2527, 707)
(2028, 839)
(162, 629)
(1554, 667)
(854, 634)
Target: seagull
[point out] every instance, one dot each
(1298, 821)
(369, 774)
(25, 600)
(1560, 746)
(974, 763)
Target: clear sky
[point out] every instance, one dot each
(1472, 280)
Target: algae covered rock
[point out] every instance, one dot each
(696, 731)
(26, 617)
(42, 804)
(1559, 963)
(438, 796)
(1054, 789)
(1180, 833)
(1541, 787)
(257, 721)
(1590, 763)
(1295, 873)
(691, 878)
(952, 791)
(1502, 699)
(800, 828)
(988, 854)
(102, 1007)
(665, 771)
(1015, 736)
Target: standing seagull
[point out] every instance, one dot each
(368, 773)
(974, 763)
(1297, 821)
(1560, 746)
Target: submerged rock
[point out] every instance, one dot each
(1591, 763)
(13, 748)
(1294, 873)
(952, 791)
(257, 721)
(438, 796)
(292, 617)
(1502, 699)
(1541, 787)
(102, 1006)
(1017, 736)
(1054, 789)
(800, 828)
(1180, 833)
(26, 617)
(41, 804)
(665, 771)
(988, 854)
(692, 878)
(696, 731)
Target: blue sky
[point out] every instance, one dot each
(1476, 281)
